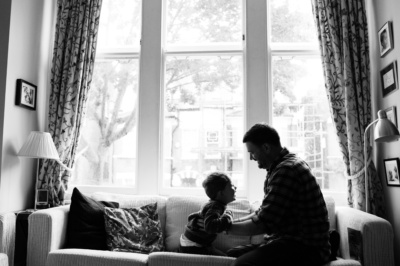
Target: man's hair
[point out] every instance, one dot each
(214, 183)
(262, 133)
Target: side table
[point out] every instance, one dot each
(21, 237)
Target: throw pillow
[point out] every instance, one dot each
(85, 227)
(134, 229)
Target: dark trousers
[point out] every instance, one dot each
(201, 251)
(277, 253)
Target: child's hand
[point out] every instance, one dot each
(194, 215)
(229, 213)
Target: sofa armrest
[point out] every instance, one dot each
(7, 235)
(47, 232)
(376, 236)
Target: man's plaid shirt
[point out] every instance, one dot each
(293, 206)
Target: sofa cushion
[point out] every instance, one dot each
(134, 229)
(342, 262)
(178, 209)
(132, 201)
(87, 257)
(181, 259)
(86, 222)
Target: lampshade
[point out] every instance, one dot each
(385, 130)
(39, 145)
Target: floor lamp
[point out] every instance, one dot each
(39, 145)
(385, 131)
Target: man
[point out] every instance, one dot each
(293, 214)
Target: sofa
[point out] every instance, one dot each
(7, 238)
(370, 237)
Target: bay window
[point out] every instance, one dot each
(176, 84)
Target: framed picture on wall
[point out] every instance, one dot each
(385, 38)
(392, 171)
(389, 79)
(391, 114)
(26, 94)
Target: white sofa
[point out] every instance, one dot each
(7, 238)
(47, 235)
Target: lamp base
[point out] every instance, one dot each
(42, 206)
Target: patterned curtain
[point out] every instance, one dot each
(72, 67)
(343, 36)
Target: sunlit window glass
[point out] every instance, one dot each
(302, 117)
(106, 154)
(292, 22)
(120, 24)
(203, 123)
(203, 91)
(203, 21)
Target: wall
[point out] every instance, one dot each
(28, 57)
(378, 13)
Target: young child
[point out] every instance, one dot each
(196, 240)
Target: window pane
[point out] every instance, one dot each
(120, 24)
(302, 117)
(107, 148)
(203, 121)
(292, 22)
(203, 21)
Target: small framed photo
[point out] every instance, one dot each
(42, 197)
(392, 171)
(26, 94)
(389, 78)
(385, 38)
(391, 114)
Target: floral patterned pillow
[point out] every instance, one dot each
(134, 229)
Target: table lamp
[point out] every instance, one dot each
(385, 131)
(40, 145)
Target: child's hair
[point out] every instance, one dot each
(214, 183)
